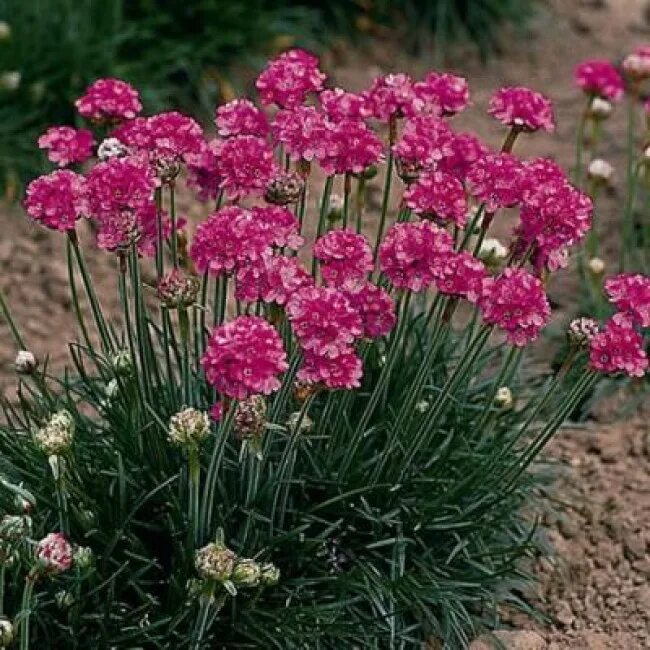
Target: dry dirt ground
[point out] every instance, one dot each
(597, 592)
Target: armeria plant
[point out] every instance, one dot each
(315, 430)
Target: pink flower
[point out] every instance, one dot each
(522, 108)
(343, 371)
(599, 77)
(244, 357)
(540, 178)
(271, 279)
(390, 96)
(67, 145)
(241, 117)
(57, 200)
(376, 307)
(54, 553)
(287, 80)
(302, 131)
(246, 165)
(411, 252)
(495, 179)
(350, 147)
(228, 238)
(203, 172)
(135, 134)
(340, 105)
(109, 100)
(466, 149)
(147, 231)
(637, 65)
(618, 348)
(438, 195)
(631, 294)
(174, 136)
(515, 301)
(441, 93)
(281, 224)
(462, 275)
(323, 320)
(425, 141)
(346, 257)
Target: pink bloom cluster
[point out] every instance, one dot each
(425, 141)
(287, 80)
(466, 150)
(515, 302)
(340, 105)
(241, 117)
(390, 96)
(412, 254)
(174, 136)
(618, 348)
(302, 131)
(54, 553)
(350, 147)
(244, 357)
(637, 64)
(495, 179)
(522, 108)
(66, 145)
(441, 93)
(438, 195)
(346, 258)
(57, 200)
(109, 100)
(272, 278)
(203, 172)
(280, 224)
(630, 292)
(461, 275)
(600, 78)
(343, 371)
(376, 308)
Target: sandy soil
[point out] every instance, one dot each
(597, 591)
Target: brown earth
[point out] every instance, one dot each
(596, 592)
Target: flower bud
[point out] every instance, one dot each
(600, 109)
(55, 438)
(122, 363)
(270, 574)
(64, 599)
(422, 406)
(189, 427)
(5, 31)
(636, 66)
(10, 80)
(596, 266)
(306, 422)
(14, 528)
(284, 188)
(83, 557)
(111, 148)
(25, 362)
(214, 562)
(600, 170)
(581, 331)
(368, 173)
(335, 208)
(503, 398)
(54, 553)
(6, 632)
(250, 417)
(247, 573)
(303, 390)
(178, 289)
(492, 252)
(112, 389)
(409, 172)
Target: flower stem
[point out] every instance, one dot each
(172, 218)
(194, 481)
(184, 326)
(385, 200)
(25, 611)
(347, 189)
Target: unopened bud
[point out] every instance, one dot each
(596, 266)
(10, 80)
(600, 109)
(284, 188)
(492, 252)
(581, 331)
(5, 30)
(14, 528)
(6, 632)
(215, 562)
(335, 208)
(247, 573)
(178, 289)
(270, 574)
(83, 557)
(295, 420)
(503, 398)
(368, 173)
(637, 66)
(111, 148)
(600, 170)
(250, 417)
(25, 362)
(409, 172)
(64, 599)
(189, 427)
(122, 363)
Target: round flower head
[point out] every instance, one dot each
(439, 196)
(340, 106)
(134, 134)
(271, 279)
(637, 65)
(284, 188)
(350, 147)
(280, 225)
(57, 200)
(492, 252)
(287, 80)
(323, 320)
(631, 294)
(461, 275)
(188, 427)
(598, 77)
(346, 257)
(341, 372)
(581, 331)
(599, 109)
(246, 573)
(600, 171)
(173, 136)
(244, 357)
(203, 172)
(376, 308)
(245, 164)
(6, 626)
(25, 362)
(522, 108)
(618, 348)
(229, 237)
(541, 178)
(109, 100)
(425, 141)
(390, 96)
(503, 398)
(241, 117)
(466, 149)
(302, 131)
(66, 145)
(441, 93)
(54, 553)
(410, 253)
(56, 437)
(111, 148)
(495, 179)
(178, 289)
(515, 301)
(214, 562)
(250, 418)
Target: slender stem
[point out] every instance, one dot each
(202, 619)
(194, 480)
(184, 326)
(25, 611)
(510, 140)
(172, 218)
(20, 343)
(360, 201)
(385, 200)
(160, 251)
(322, 217)
(347, 189)
(3, 569)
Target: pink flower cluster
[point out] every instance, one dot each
(522, 108)
(287, 80)
(346, 258)
(438, 195)
(466, 150)
(350, 147)
(109, 100)
(244, 357)
(461, 275)
(495, 179)
(280, 224)
(618, 348)
(340, 105)
(630, 292)
(390, 96)
(58, 199)
(515, 302)
(66, 145)
(376, 308)
(54, 553)
(598, 77)
(302, 131)
(425, 141)
(343, 371)
(203, 172)
(441, 93)
(241, 117)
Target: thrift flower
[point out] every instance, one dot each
(425, 141)
(441, 93)
(581, 331)
(376, 308)
(188, 427)
(495, 179)
(203, 172)
(637, 65)
(631, 294)
(214, 562)
(109, 100)
(54, 553)
(66, 145)
(302, 131)
(390, 96)
(340, 106)
(56, 437)
(280, 225)
(284, 188)
(522, 108)
(241, 117)
(346, 257)
(466, 150)
(598, 77)
(341, 372)
(351, 147)
(461, 275)
(618, 348)
(439, 196)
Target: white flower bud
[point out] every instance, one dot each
(189, 427)
(5, 30)
(305, 424)
(112, 389)
(600, 170)
(422, 406)
(503, 398)
(581, 331)
(82, 556)
(63, 598)
(10, 80)
(111, 148)
(270, 574)
(600, 108)
(492, 251)
(6, 632)
(596, 266)
(25, 362)
(122, 363)
(247, 573)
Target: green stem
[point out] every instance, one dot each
(20, 343)
(194, 476)
(172, 218)
(186, 380)
(580, 141)
(347, 189)
(160, 246)
(385, 200)
(360, 201)
(25, 611)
